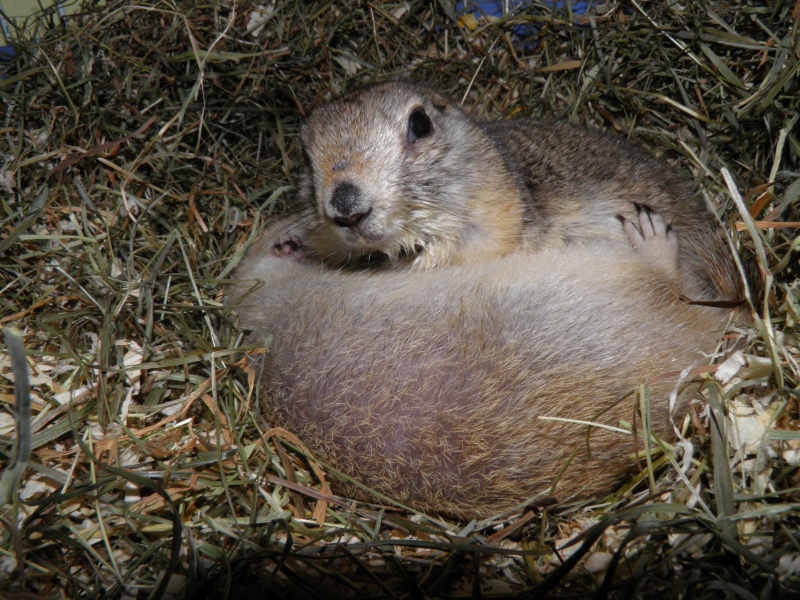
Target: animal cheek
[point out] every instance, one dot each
(320, 189)
(413, 151)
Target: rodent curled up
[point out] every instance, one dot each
(525, 298)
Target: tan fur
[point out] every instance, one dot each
(428, 385)
(529, 299)
(474, 191)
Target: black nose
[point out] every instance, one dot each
(345, 198)
(346, 203)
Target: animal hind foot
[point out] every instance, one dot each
(653, 239)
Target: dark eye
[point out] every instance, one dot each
(419, 125)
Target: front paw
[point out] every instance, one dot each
(289, 247)
(653, 238)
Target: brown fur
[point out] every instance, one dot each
(428, 386)
(474, 190)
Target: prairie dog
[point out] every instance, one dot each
(428, 385)
(397, 169)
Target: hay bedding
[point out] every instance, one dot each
(143, 144)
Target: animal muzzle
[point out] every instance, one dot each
(347, 207)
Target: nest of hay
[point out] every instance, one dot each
(142, 145)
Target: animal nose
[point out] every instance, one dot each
(346, 204)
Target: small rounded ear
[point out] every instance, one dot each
(438, 101)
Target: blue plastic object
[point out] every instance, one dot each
(494, 8)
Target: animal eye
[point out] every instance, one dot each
(419, 125)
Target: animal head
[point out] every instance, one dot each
(389, 169)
